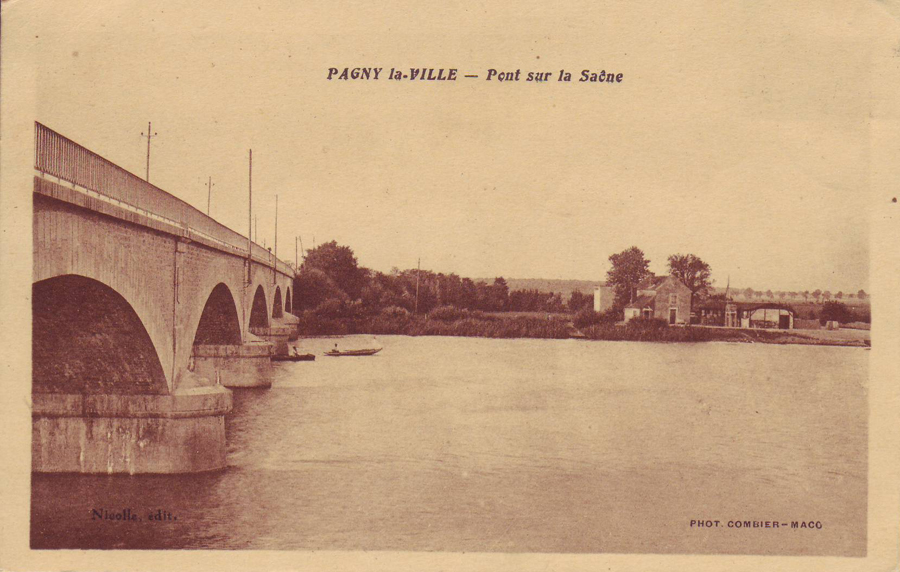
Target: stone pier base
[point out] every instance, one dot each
(247, 365)
(278, 334)
(132, 434)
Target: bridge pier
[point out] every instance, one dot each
(182, 432)
(279, 333)
(247, 365)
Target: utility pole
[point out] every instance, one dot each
(209, 186)
(249, 280)
(275, 262)
(148, 136)
(418, 268)
(250, 212)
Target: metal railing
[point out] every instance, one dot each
(60, 157)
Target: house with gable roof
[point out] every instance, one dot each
(664, 297)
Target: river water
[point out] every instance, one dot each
(478, 445)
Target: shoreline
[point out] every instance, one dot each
(423, 327)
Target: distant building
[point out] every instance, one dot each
(664, 297)
(604, 296)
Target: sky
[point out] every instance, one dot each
(741, 132)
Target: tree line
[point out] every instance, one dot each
(331, 279)
(816, 295)
(331, 275)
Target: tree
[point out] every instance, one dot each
(468, 297)
(748, 293)
(782, 295)
(826, 294)
(339, 264)
(693, 272)
(578, 301)
(862, 295)
(839, 295)
(450, 289)
(312, 287)
(482, 296)
(769, 294)
(806, 294)
(499, 294)
(835, 311)
(629, 268)
(816, 293)
(555, 303)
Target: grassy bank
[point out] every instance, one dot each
(437, 323)
(454, 322)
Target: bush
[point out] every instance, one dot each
(338, 309)
(355, 309)
(650, 330)
(331, 308)
(586, 317)
(447, 314)
(611, 316)
(519, 327)
(479, 315)
(649, 324)
(383, 325)
(395, 312)
(312, 324)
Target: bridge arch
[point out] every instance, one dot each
(259, 310)
(87, 338)
(277, 308)
(219, 323)
(288, 302)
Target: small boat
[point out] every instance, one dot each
(338, 353)
(295, 357)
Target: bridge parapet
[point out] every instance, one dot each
(263, 256)
(58, 156)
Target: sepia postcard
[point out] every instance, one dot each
(450, 285)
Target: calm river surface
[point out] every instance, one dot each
(463, 444)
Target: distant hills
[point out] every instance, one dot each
(563, 287)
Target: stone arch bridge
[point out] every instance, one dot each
(144, 309)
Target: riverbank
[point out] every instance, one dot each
(461, 323)
(716, 334)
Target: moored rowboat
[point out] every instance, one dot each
(337, 353)
(295, 357)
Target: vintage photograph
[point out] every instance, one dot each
(568, 279)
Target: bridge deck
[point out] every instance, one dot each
(102, 180)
